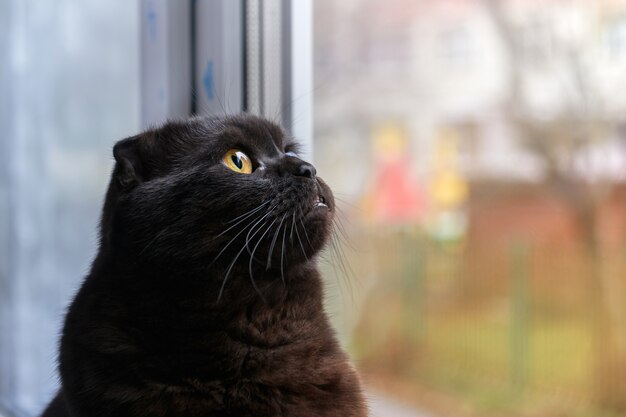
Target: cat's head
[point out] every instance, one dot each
(216, 192)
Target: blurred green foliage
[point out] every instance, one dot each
(488, 327)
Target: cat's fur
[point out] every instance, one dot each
(158, 330)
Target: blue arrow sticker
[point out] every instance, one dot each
(152, 21)
(208, 81)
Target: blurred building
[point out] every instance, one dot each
(447, 66)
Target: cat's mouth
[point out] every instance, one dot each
(319, 205)
(320, 201)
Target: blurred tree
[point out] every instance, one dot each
(561, 140)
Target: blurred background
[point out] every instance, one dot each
(477, 149)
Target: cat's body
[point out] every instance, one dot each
(204, 299)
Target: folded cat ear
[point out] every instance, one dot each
(129, 168)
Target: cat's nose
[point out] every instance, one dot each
(291, 165)
(305, 170)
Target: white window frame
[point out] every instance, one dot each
(229, 56)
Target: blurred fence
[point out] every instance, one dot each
(497, 325)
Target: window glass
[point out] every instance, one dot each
(478, 152)
(69, 86)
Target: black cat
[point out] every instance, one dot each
(205, 299)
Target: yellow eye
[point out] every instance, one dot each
(238, 161)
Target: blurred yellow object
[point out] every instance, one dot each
(449, 189)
